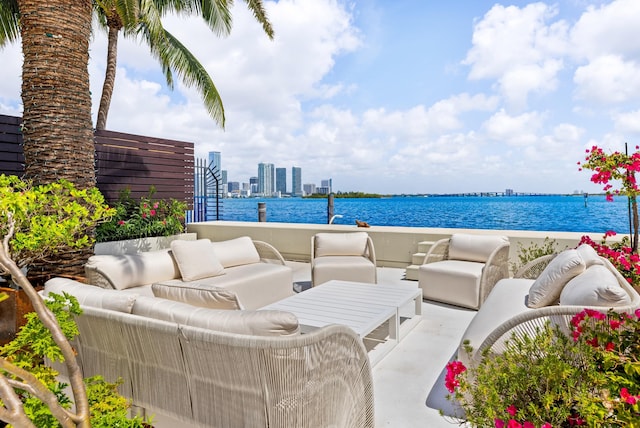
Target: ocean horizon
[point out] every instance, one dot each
(553, 213)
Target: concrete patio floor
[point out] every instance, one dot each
(408, 382)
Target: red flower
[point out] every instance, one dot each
(628, 398)
(454, 368)
(121, 222)
(512, 410)
(152, 212)
(610, 347)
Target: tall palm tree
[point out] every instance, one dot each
(142, 18)
(56, 123)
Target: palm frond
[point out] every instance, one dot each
(9, 22)
(257, 7)
(217, 15)
(174, 56)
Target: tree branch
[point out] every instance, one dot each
(12, 411)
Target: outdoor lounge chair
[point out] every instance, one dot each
(342, 256)
(463, 269)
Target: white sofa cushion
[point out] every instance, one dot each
(596, 286)
(343, 268)
(196, 259)
(452, 281)
(198, 294)
(341, 244)
(261, 323)
(474, 248)
(90, 295)
(131, 270)
(236, 252)
(589, 255)
(547, 288)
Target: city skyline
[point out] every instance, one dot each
(394, 97)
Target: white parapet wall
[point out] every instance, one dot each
(394, 245)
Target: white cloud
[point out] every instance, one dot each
(608, 79)
(520, 130)
(628, 123)
(517, 48)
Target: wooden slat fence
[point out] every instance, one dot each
(122, 161)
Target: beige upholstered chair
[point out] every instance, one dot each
(343, 256)
(463, 269)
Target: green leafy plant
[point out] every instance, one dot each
(550, 378)
(620, 254)
(47, 220)
(28, 351)
(142, 218)
(529, 253)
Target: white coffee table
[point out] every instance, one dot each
(360, 306)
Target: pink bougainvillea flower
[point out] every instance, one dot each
(498, 423)
(528, 424)
(546, 425)
(628, 398)
(615, 324)
(513, 424)
(610, 347)
(512, 410)
(152, 212)
(454, 368)
(121, 222)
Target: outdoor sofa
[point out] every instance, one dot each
(551, 288)
(235, 274)
(221, 368)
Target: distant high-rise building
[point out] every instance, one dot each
(266, 179)
(327, 185)
(253, 184)
(309, 189)
(281, 180)
(215, 166)
(224, 182)
(296, 181)
(233, 187)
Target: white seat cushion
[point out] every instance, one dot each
(452, 281)
(344, 268)
(196, 259)
(547, 287)
(198, 294)
(596, 286)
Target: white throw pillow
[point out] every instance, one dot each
(236, 252)
(547, 288)
(196, 259)
(596, 286)
(589, 255)
(341, 244)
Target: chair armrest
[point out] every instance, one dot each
(439, 251)
(495, 269)
(534, 268)
(268, 251)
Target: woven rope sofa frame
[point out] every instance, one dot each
(268, 252)
(492, 271)
(216, 379)
(528, 323)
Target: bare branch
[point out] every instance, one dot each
(35, 387)
(12, 411)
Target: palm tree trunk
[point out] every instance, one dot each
(109, 77)
(636, 223)
(57, 126)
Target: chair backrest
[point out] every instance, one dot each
(340, 244)
(474, 248)
(222, 379)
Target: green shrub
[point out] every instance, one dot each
(534, 251)
(549, 379)
(142, 218)
(28, 351)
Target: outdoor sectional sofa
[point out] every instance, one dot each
(234, 274)
(552, 288)
(221, 368)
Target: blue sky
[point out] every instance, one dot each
(403, 96)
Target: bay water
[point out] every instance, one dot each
(558, 213)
